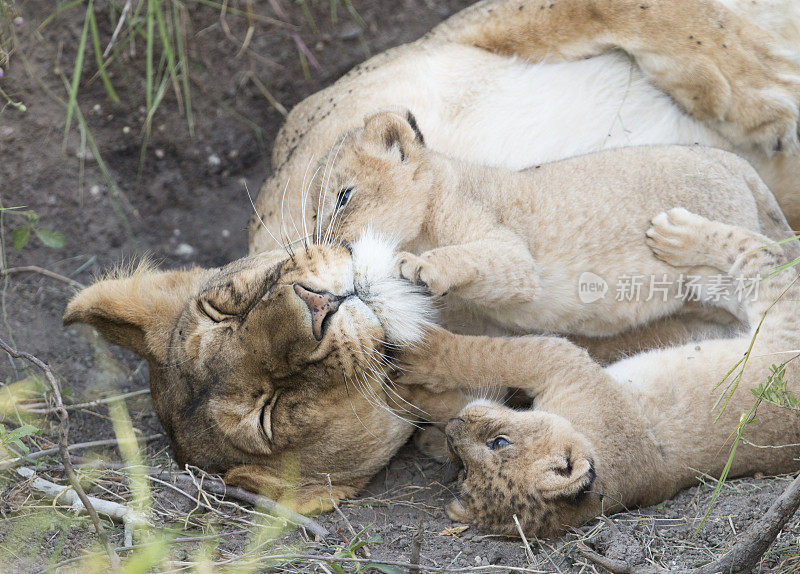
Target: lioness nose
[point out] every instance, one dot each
(321, 306)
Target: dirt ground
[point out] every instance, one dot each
(190, 207)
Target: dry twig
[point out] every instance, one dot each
(119, 512)
(742, 557)
(6, 464)
(63, 446)
(416, 546)
(218, 487)
(42, 271)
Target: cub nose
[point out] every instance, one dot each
(321, 306)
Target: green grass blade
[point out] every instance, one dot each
(168, 50)
(76, 72)
(62, 8)
(183, 60)
(150, 19)
(98, 56)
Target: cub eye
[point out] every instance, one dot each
(213, 312)
(343, 196)
(498, 442)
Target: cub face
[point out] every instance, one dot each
(531, 464)
(374, 177)
(270, 369)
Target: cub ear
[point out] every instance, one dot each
(570, 477)
(394, 129)
(137, 311)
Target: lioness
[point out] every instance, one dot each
(634, 433)
(507, 83)
(491, 239)
(236, 379)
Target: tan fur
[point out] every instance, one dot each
(227, 346)
(211, 377)
(715, 63)
(496, 239)
(711, 77)
(633, 434)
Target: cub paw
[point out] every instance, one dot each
(678, 237)
(431, 442)
(419, 270)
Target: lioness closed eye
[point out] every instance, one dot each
(641, 429)
(513, 246)
(267, 369)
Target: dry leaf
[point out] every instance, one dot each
(453, 530)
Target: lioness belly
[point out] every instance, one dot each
(493, 110)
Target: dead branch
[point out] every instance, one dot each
(63, 446)
(40, 408)
(42, 271)
(6, 464)
(416, 546)
(353, 533)
(218, 487)
(743, 555)
(119, 512)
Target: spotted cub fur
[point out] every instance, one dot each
(635, 432)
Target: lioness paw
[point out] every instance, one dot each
(678, 237)
(742, 84)
(421, 271)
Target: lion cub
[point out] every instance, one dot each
(633, 433)
(550, 248)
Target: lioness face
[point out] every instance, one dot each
(374, 176)
(526, 463)
(270, 368)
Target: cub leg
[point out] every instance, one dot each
(715, 64)
(531, 363)
(684, 239)
(488, 272)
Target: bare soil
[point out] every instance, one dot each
(189, 207)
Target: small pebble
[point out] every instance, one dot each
(226, 233)
(2, 72)
(349, 32)
(94, 191)
(176, 232)
(214, 160)
(184, 250)
(97, 109)
(18, 21)
(126, 130)
(160, 153)
(477, 560)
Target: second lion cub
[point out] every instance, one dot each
(545, 249)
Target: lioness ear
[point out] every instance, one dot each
(138, 311)
(394, 130)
